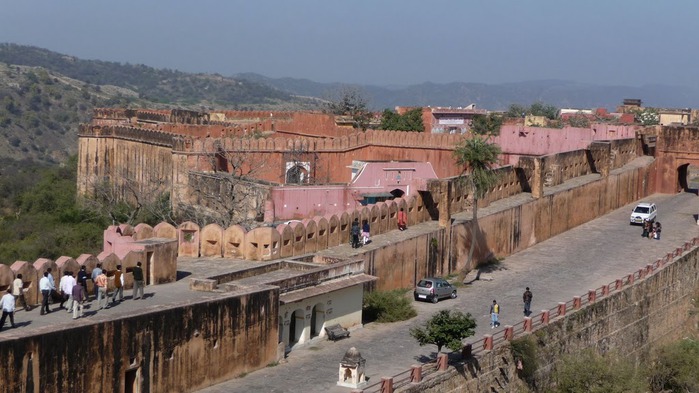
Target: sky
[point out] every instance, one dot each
(378, 42)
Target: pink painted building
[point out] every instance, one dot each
(371, 182)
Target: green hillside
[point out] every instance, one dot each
(45, 95)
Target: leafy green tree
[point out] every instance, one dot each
(589, 372)
(409, 121)
(674, 368)
(516, 111)
(477, 156)
(445, 328)
(540, 109)
(487, 124)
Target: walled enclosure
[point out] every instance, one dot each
(176, 348)
(652, 310)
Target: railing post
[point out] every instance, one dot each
(488, 342)
(649, 268)
(545, 317)
(561, 309)
(631, 278)
(576, 302)
(605, 290)
(442, 361)
(527, 324)
(509, 332)
(415, 374)
(619, 284)
(386, 385)
(466, 351)
(591, 295)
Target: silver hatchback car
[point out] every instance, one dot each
(433, 289)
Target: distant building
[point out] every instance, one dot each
(447, 120)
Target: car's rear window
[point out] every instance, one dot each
(424, 284)
(641, 209)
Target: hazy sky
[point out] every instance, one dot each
(620, 42)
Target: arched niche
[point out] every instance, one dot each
(188, 234)
(165, 230)
(311, 236)
(286, 239)
(345, 225)
(67, 264)
(299, 244)
(143, 231)
(262, 244)
(234, 242)
(333, 230)
(90, 262)
(212, 241)
(383, 218)
(30, 280)
(322, 228)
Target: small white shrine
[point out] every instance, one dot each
(352, 370)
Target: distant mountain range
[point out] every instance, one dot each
(560, 93)
(44, 95)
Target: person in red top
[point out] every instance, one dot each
(402, 220)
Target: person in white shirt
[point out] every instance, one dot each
(67, 283)
(18, 291)
(45, 287)
(8, 308)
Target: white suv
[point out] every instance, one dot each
(644, 211)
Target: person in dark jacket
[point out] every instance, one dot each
(354, 233)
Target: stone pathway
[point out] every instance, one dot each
(586, 257)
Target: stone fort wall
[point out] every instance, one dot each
(175, 348)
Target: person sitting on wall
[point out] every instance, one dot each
(365, 232)
(354, 233)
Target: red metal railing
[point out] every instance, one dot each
(528, 324)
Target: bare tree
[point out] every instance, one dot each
(227, 190)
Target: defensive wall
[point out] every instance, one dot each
(630, 316)
(439, 201)
(174, 348)
(158, 257)
(676, 148)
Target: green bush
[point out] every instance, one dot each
(674, 368)
(388, 306)
(588, 371)
(525, 350)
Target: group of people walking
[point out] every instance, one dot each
(495, 308)
(651, 230)
(71, 291)
(359, 236)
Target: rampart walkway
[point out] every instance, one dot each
(567, 265)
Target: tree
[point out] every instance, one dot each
(540, 109)
(648, 117)
(674, 368)
(477, 156)
(350, 102)
(486, 124)
(445, 328)
(409, 121)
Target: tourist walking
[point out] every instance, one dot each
(82, 277)
(366, 232)
(8, 308)
(67, 283)
(527, 299)
(118, 284)
(79, 295)
(354, 233)
(494, 315)
(138, 282)
(45, 287)
(18, 291)
(102, 294)
(96, 272)
(402, 220)
(647, 227)
(656, 231)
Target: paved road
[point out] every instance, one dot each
(589, 256)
